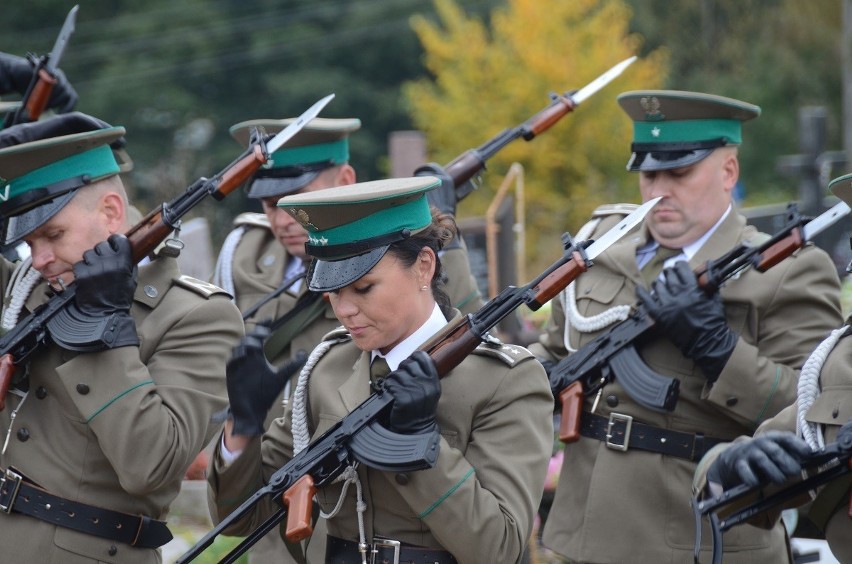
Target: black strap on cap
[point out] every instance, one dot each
(38, 196)
(677, 146)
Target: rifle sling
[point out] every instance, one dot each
(308, 308)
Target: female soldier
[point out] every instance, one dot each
(375, 251)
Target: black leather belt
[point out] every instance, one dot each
(384, 551)
(621, 432)
(19, 495)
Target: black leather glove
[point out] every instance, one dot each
(416, 388)
(99, 317)
(253, 384)
(774, 457)
(16, 74)
(444, 196)
(692, 320)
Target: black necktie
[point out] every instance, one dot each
(378, 369)
(651, 270)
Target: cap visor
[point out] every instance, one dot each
(327, 275)
(19, 226)
(269, 187)
(665, 160)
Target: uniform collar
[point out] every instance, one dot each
(407, 346)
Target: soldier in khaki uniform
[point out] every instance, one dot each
(97, 443)
(736, 355)
(821, 413)
(267, 250)
(492, 412)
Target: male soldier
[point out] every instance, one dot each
(821, 414)
(266, 250)
(623, 495)
(103, 420)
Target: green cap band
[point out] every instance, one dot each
(95, 163)
(688, 131)
(414, 215)
(334, 151)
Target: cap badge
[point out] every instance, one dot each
(303, 218)
(5, 195)
(322, 241)
(655, 132)
(651, 105)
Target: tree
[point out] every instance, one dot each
(489, 77)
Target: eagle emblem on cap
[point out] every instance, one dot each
(303, 218)
(651, 105)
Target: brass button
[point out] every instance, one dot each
(41, 392)
(82, 389)
(112, 550)
(612, 400)
(401, 478)
(23, 434)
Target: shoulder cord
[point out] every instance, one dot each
(223, 275)
(24, 279)
(573, 317)
(301, 438)
(809, 390)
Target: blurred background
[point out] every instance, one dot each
(177, 75)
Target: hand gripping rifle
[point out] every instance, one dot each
(359, 437)
(470, 163)
(832, 462)
(44, 79)
(613, 354)
(33, 332)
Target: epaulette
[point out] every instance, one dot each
(336, 334)
(200, 287)
(509, 354)
(613, 209)
(253, 219)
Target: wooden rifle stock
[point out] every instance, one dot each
(144, 238)
(37, 101)
(299, 503)
(572, 408)
(470, 163)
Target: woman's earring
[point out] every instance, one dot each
(424, 287)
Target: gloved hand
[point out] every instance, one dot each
(16, 74)
(692, 320)
(106, 277)
(416, 388)
(774, 456)
(444, 196)
(844, 436)
(253, 384)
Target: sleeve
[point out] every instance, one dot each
(760, 379)
(551, 343)
(461, 285)
(495, 486)
(151, 420)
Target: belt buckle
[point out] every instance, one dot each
(385, 543)
(15, 478)
(628, 423)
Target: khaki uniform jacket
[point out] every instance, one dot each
(119, 428)
(633, 506)
(479, 500)
(831, 409)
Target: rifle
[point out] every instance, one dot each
(359, 437)
(44, 79)
(470, 163)
(32, 333)
(832, 462)
(613, 354)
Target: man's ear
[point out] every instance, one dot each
(345, 175)
(113, 207)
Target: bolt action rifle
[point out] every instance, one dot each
(613, 355)
(44, 78)
(831, 463)
(34, 331)
(359, 436)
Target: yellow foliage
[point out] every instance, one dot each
(490, 78)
